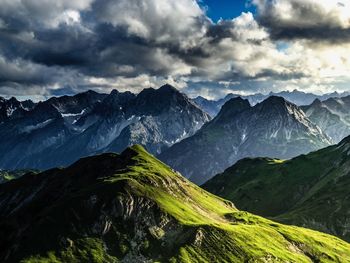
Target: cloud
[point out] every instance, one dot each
(42, 13)
(66, 46)
(159, 21)
(323, 20)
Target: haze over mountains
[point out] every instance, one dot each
(297, 97)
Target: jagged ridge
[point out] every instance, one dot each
(273, 128)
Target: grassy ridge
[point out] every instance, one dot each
(310, 190)
(135, 208)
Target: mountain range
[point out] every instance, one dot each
(61, 130)
(332, 116)
(310, 190)
(133, 208)
(273, 128)
(12, 108)
(299, 98)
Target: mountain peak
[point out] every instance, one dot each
(276, 103)
(134, 150)
(168, 88)
(316, 102)
(88, 92)
(275, 100)
(13, 100)
(114, 92)
(232, 107)
(150, 101)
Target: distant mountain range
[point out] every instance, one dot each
(299, 98)
(332, 116)
(61, 130)
(133, 208)
(310, 190)
(273, 128)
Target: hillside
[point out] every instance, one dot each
(310, 190)
(133, 208)
(273, 128)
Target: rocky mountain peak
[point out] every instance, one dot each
(236, 104)
(116, 98)
(316, 102)
(233, 107)
(275, 100)
(153, 101)
(278, 106)
(13, 100)
(168, 89)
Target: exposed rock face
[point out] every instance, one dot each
(12, 108)
(273, 128)
(61, 130)
(165, 117)
(332, 116)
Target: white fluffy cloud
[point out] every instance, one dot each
(160, 21)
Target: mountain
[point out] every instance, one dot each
(332, 116)
(273, 128)
(12, 108)
(166, 116)
(212, 107)
(61, 130)
(303, 98)
(27, 140)
(133, 208)
(310, 190)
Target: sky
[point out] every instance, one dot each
(225, 9)
(208, 48)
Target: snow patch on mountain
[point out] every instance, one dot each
(37, 126)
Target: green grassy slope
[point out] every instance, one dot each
(133, 208)
(310, 190)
